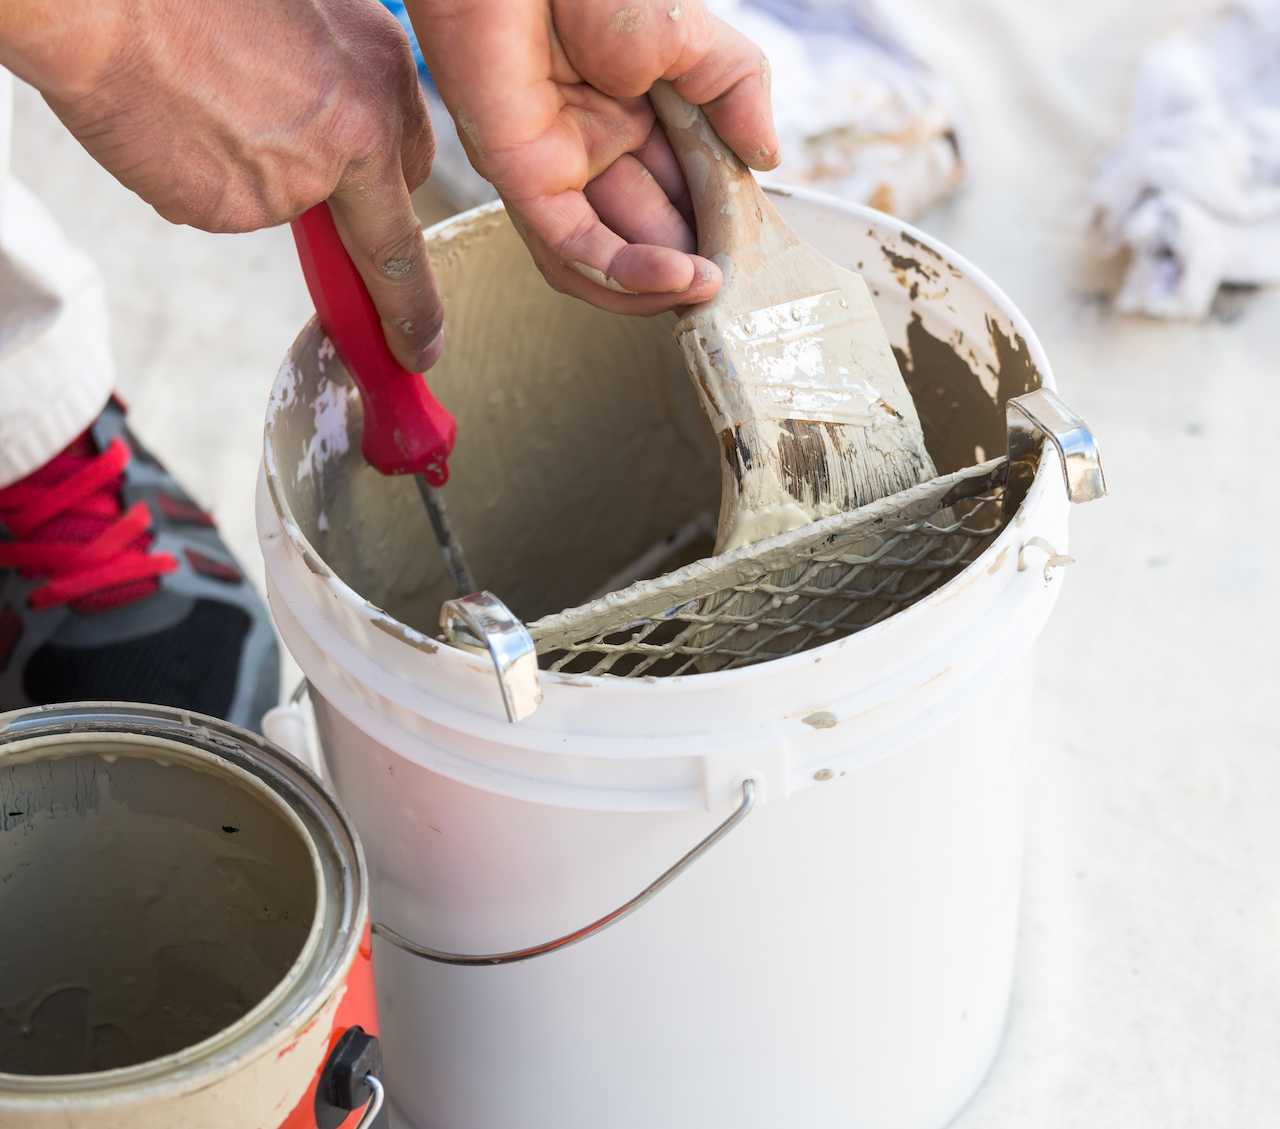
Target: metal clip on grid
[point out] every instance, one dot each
(1041, 413)
(482, 622)
(784, 594)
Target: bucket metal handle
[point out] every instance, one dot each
(1043, 413)
(663, 880)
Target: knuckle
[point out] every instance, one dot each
(373, 140)
(235, 210)
(288, 201)
(418, 159)
(366, 133)
(402, 256)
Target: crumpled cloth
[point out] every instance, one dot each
(56, 368)
(1193, 189)
(859, 113)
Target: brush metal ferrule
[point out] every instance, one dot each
(823, 358)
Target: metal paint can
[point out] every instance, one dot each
(184, 932)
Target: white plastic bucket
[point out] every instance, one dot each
(844, 957)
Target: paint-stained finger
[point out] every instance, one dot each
(730, 81)
(706, 281)
(567, 224)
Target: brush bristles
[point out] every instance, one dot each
(782, 474)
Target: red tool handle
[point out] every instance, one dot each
(406, 431)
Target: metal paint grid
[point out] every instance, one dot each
(844, 587)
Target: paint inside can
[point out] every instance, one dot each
(184, 932)
(145, 905)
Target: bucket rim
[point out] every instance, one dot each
(442, 652)
(290, 789)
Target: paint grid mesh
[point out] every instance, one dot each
(841, 585)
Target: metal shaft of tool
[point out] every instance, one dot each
(455, 560)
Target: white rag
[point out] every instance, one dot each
(1193, 189)
(859, 112)
(56, 369)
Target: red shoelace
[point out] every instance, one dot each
(69, 524)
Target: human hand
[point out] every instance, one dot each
(231, 115)
(550, 99)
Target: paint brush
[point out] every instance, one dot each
(406, 431)
(789, 356)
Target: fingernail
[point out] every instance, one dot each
(704, 276)
(431, 353)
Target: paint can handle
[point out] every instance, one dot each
(351, 1079)
(406, 431)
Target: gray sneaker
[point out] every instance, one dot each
(115, 586)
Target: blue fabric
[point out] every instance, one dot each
(396, 8)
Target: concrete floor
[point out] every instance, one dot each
(1148, 987)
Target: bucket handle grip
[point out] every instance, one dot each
(665, 879)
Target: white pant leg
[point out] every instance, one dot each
(56, 370)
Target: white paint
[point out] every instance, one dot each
(330, 442)
(600, 278)
(756, 523)
(785, 366)
(628, 19)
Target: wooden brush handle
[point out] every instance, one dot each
(728, 204)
